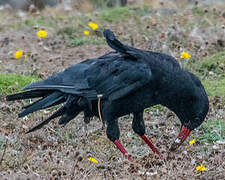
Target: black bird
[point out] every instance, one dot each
(119, 83)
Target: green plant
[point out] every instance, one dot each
(141, 10)
(214, 130)
(215, 84)
(115, 14)
(155, 108)
(76, 42)
(214, 87)
(11, 83)
(67, 31)
(214, 63)
(197, 11)
(41, 21)
(72, 37)
(99, 3)
(1, 143)
(80, 41)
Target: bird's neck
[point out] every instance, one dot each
(173, 93)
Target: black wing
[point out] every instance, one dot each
(118, 78)
(70, 81)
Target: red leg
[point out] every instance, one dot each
(122, 149)
(154, 149)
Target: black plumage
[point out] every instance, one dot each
(129, 81)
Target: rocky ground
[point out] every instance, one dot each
(62, 153)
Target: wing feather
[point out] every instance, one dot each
(123, 77)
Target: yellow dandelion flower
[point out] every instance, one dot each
(86, 32)
(93, 25)
(18, 54)
(192, 142)
(200, 168)
(185, 55)
(42, 33)
(92, 160)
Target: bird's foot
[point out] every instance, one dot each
(154, 149)
(129, 157)
(123, 150)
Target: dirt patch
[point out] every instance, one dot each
(43, 57)
(62, 153)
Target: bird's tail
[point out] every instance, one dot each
(118, 46)
(73, 105)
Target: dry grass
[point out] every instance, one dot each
(61, 153)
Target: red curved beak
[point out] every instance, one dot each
(184, 133)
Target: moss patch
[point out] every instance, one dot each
(11, 83)
(215, 88)
(81, 41)
(41, 22)
(214, 130)
(214, 63)
(115, 14)
(197, 11)
(214, 83)
(73, 38)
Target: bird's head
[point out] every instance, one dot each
(192, 110)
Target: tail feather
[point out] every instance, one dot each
(51, 95)
(59, 100)
(28, 95)
(65, 118)
(118, 46)
(113, 42)
(55, 115)
(42, 103)
(69, 111)
(72, 110)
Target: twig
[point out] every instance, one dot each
(3, 154)
(87, 174)
(99, 110)
(51, 129)
(74, 169)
